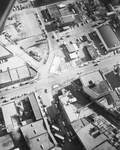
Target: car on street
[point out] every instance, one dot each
(96, 64)
(2, 97)
(46, 91)
(71, 42)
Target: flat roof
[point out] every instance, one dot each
(64, 11)
(42, 140)
(9, 110)
(71, 113)
(37, 136)
(90, 140)
(33, 129)
(92, 51)
(112, 97)
(4, 77)
(23, 72)
(35, 106)
(67, 19)
(4, 53)
(100, 88)
(14, 75)
(53, 11)
(108, 35)
(106, 145)
(95, 77)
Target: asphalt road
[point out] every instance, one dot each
(48, 81)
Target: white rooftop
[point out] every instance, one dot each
(89, 141)
(95, 77)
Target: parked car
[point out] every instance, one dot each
(2, 97)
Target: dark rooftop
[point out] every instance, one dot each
(109, 36)
(112, 97)
(35, 107)
(4, 53)
(113, 79)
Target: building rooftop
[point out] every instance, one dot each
(73, 108)
(66, 19)
(89, 138)
(100, 88)
(92, 51)
(53, 11)
(105, 32)
(106, 145)
(94, 84)
(95, 77)
(13, 74)
(34, 129)
(64, 11)
(41, 142)
(9, 112)
(112, 97)
(4, 53)
(113, 79)
(37, 136)
(35, 106)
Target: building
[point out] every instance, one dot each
(72, 110)
(11, 117)
(95, 85)
(53, 11)
(92, 51)
(108, 37)
(92, 130)
(15, 75)
(4, 53)
(35, 107)
(37, 136)
(92, 139)
(67, 20)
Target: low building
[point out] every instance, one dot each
(95, 85)
(35, 107)
(93, 131)
(72, 110)
(92, 51)
(53, 11)
(67, 20)
(37, 136)
(11, 116)
(92, 139)
(108, 37)
(4, 53)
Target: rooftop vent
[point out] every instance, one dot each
(35, 131)
(38, 139)
(42, 146)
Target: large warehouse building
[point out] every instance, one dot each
(108, 37)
